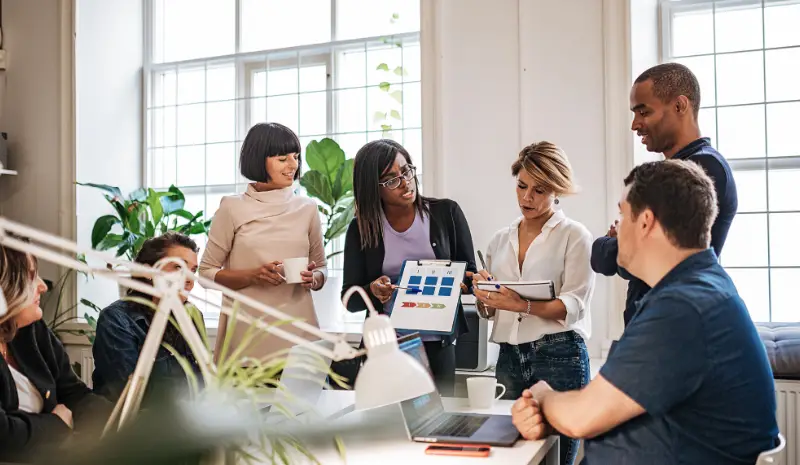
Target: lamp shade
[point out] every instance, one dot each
(389, 375)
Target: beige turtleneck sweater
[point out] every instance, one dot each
(255, 228)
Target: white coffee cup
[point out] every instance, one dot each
(292, 267)
(481, 391)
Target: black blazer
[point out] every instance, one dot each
(41, 357)
(450, 240)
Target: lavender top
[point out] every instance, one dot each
(411, 244)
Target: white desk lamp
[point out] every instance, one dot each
(387, 377)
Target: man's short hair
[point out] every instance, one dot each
(680, 195)
(671, 80)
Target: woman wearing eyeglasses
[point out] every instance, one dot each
(393, 224)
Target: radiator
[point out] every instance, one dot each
(787, 394)
(87, 366)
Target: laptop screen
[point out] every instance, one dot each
(419, 410)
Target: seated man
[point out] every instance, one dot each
(123, 326)
(689, 381)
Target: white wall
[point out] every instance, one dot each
(108, 54)
(511, 72)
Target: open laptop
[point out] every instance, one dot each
(427, 421)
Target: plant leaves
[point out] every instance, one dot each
(113, 191)
(318, 185)
(325, 156)
(399, 71)
(185, 214)
(382, 67)
(386, 127)
(110, 241)
(395, 16)
(156, 209)
(397, 95)
(379, 116)
(395, 114)
(340, 223)
(172, 200)
(149, 229)
(139, 195)
(384, 86)
(88, 317)
(102, 226)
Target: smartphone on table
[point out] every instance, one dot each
(463, 450)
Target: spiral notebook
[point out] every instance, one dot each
(531, 290)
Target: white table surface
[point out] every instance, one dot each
(391, 443)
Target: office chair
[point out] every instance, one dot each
(773, 456)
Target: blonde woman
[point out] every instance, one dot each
(541, 341)
(41, 399)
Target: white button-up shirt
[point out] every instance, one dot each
(561, 254)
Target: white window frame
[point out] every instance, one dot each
(247, 64)
(766, 163)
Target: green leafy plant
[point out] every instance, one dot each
(391, 115)
(249, 383)
(144, 214)
(330, 180)
(69, 314)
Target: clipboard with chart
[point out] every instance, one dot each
(428, 295)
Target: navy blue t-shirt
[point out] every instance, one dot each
(691, 357)
(604, 249)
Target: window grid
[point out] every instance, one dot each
(168, 109)
(769, 164)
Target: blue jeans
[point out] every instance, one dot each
(560, 359)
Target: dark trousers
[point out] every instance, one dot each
(561, 360)
(442, 359)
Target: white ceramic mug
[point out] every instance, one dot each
(292, 267)
(481, 391)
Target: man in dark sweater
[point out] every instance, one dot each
(665, 101)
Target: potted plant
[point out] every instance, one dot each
(330, 181)
(144, 214)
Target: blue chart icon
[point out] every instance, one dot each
(431, 285)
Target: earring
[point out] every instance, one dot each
(556, 201)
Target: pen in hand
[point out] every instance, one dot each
(483, 263)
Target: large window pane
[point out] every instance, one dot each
(384, 107)
(370, 18)
(271, 24)
(784, 191)
(741, 131)
(412, 61)
(191, 124)
(783, 244)
(221, 122)
(220, 164)
(784, 295)
(783, 74)
(781, 25)
(746, 244)
(703, 68)
(163, 167)
(187, 29)
(313, 113)
(412, 105)
(191, 85)
(753, 287)
(707, 119)
(384, 64)
(313, 77)
(740, 78)
(738, 28)
(283, 109)
(282, 81)
(783, 121)
(163, 127)
(220, 83)
(351, 143)
(351, 110)
(191, 166)
(692, 33)
(258, 110)
(751, 185)
(351, 67)
(165, 88)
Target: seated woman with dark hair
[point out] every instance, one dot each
(123, 326)
(41, 398)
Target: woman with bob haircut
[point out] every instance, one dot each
(541, 340)
(41, 399)
(254, 232)
(393, 224)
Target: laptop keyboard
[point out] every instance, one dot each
(462, 426)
